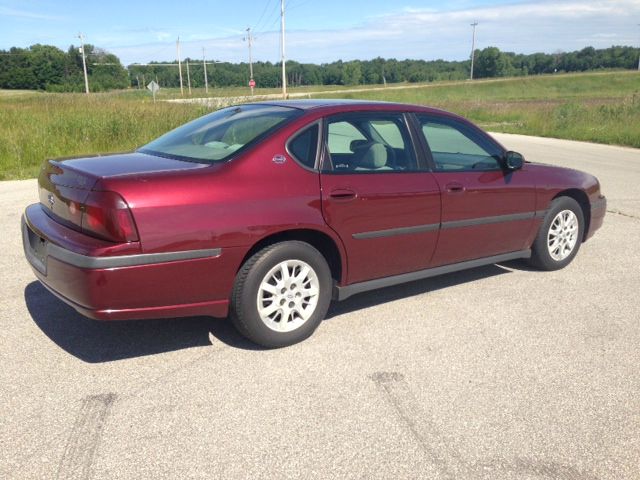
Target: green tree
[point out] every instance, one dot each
(491, 62)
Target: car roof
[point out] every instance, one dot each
(348, 105)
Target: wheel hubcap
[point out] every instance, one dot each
(563, 235)
(288, 295)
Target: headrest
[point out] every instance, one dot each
(374, 157)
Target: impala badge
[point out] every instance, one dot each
(279, 159)
(51, 200)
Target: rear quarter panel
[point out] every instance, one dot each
(235, 204)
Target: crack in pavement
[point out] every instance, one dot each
(628, 215)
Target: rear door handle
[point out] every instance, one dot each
(454, 187)
(343, 194)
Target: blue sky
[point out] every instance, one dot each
(320, 30)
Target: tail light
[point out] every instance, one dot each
(106, 215)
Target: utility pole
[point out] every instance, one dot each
(473, 47)
(179, 66)
(249, 39)
(639, 57)
(84, 64)
(188, 77)
(204, 67)
(284, 68)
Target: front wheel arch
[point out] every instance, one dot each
(556, 233)
(583, 200)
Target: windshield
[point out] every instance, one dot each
(217, 136)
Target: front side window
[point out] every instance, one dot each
(368, 143)
(218, 136)
(456, 147)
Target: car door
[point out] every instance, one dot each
(486, 209)
(376, 196)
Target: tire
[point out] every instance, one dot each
(281, 294)
(560, 235)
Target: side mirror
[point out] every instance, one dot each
(513, 160)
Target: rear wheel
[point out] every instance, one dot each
(281, 294)
(560, 235)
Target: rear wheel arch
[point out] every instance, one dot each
(583, 200)
(321, 241)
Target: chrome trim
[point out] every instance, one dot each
(341, 293)
(85, 261)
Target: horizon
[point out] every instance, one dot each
(419, 30)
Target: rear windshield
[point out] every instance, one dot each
(218, 136)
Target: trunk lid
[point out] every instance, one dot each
(64, 185)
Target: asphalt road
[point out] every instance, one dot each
(496, 373)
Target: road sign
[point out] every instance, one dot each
(153, 87)
(252, 83)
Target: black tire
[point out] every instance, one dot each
(262, 267)
(541, 251)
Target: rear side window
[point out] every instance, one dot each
(304, 146)
(369, 142)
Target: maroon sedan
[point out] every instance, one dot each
(266, 212)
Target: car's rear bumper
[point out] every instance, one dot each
(132, 286)
(598, 211)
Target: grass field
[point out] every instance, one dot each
(598, 107)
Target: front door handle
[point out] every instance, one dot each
(343, 194)
(454, 187)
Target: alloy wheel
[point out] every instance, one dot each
(563, 235)
(288, 295)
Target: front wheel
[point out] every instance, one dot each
(560, 235)
(281, 294)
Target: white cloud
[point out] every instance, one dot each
(524, 27)
(13, 12)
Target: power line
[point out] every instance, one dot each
(264, 10)
(272, 18)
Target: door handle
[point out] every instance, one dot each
(343, 195)
(454, 187)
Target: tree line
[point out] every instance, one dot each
(43, 67)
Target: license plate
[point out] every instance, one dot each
(36, 247)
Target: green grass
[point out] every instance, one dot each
(597, 107)
(594, 107)
(40, 126)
